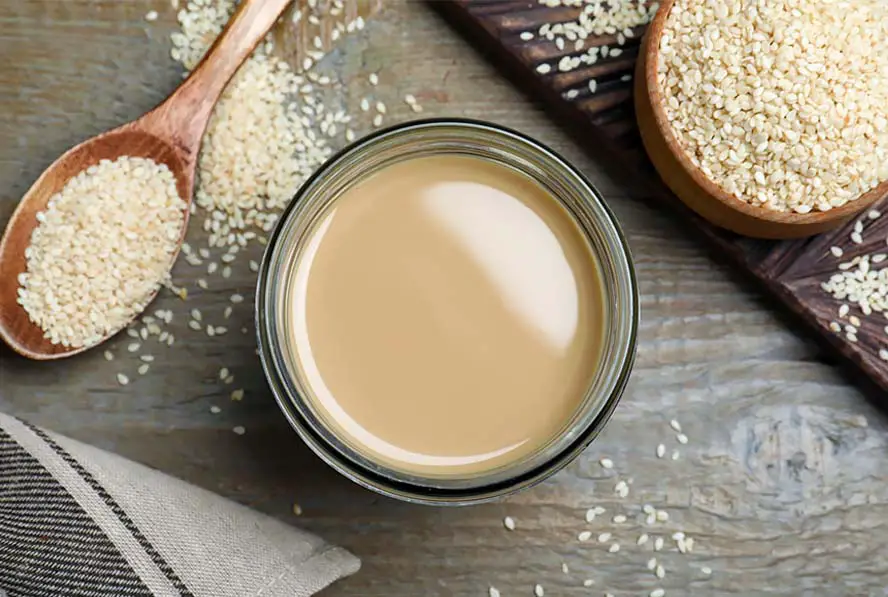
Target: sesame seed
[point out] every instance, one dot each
(564, 568)
(843, 310)
(133, 347)
(239, 430)
(662, 516)
(509, 523)
(590, 514)
(151, 16)
(619, 519)
(380, 107)
(604, 537)
(661, 451)
(122, 379)
(194, 325)
(652, 564)
(374, 79)
(377, 120)
(365, 105)
(588, 582)
(658, 543)
(614, 548)
(836, 251)
(237, 395)
(215, 410)
(676, 426)
(681, 438)
(606, 463)
(706, 570)
(538, 590)
(223, 373)
(675, 455)
(143, 369)
(109, 356)
(526, 36)
(493, 592)
(657, 593)
(544, 69)
(297, 509)
(660, 572)
(584, 536)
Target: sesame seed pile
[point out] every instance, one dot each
(648, 532)
(784, 103)
(101, 250)
(861, 283)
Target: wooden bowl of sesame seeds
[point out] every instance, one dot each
(700, 191)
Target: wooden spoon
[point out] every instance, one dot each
(169, 134)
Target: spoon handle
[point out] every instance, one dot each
(183, 116)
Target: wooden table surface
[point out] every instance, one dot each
(781, 484)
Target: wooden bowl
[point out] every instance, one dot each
(693, 187)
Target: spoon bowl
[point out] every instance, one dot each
(170, 134)
(16, 328)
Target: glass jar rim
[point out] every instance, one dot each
(513, 149)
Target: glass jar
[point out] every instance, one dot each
(483, 141)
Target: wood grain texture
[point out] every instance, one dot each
(605, 122)
(782, 483)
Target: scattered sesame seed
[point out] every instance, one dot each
(380, 107)
(377, 120)
(109, 356)
(675, 455)
(662, 516)
(642, 539)
(606, 463)
(194, 325)
(652, 564)
(122, 379)
(836, 251)
(657, 593)
(706, 570)
(538, 590)
(215, 410)
(133, 347)
(365, 105)
(237, 395)
(143, 369)
(239, 430)
(658, 543)
(544, 69)
(660, 572)
(493, 592)
(604, 537)
(614, 548)
(151, 16)
(526, 36)
(661, 451)
(584, 536)
(676, 426)
(619, 519)
(223, 373)
(682, 438)
(588, 582)
(509, 523)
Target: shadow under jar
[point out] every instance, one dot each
(447, 312)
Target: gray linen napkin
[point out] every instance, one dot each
(75, 520)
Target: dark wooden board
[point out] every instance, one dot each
(604, 122)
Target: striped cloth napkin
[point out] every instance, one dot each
(78, 521)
